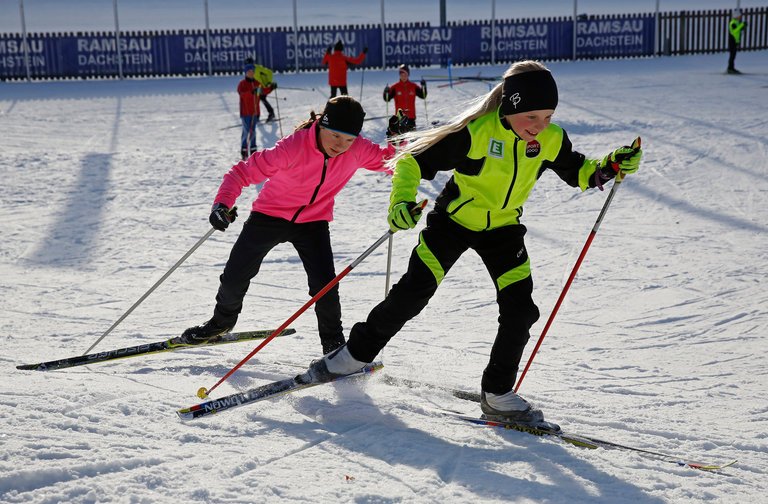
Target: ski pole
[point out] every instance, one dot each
(619, 177)
(362, 79)
(426, 114)
(387, 103)
(297, 88)
(279, 119)
(252, 126)
(202, 393)
(143, 297)
(389, 265)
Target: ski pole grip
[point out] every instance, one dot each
(626, 155)
(419, 207)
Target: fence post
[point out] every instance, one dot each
(117, 42)
(657, 42)
(24, 39)
(493, 32)
(575, 15)
(208, 38)
(296, 36)
(383, 39)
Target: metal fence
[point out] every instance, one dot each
(706, 32)
(211, 52)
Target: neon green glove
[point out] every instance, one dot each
(625, 159)
(402, 216)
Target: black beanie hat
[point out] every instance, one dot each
(343, 114)
(404, 68)
(339, 46)
(528, 91)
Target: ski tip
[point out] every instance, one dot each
(31, 367)
(707, 467)
(185, 414)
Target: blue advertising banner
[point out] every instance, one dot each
(282, 50)
(312, 45)
(228, 51)
(41, 51)
(420, 46)
(615, 37)
(98, 55)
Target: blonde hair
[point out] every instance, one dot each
(419, 141)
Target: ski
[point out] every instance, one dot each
(405, 382)
(261, 393)
(169, 345)
(591, 442)
(574, 439)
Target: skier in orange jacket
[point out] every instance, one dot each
(337, 67)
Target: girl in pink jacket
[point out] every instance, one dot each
(303, 172)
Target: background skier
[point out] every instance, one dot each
(338, 64)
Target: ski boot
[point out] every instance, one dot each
(333, 365)
(199, 335)
(512, 408)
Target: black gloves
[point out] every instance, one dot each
(221, 216)
(365, 50)
(423, 83)
(386, 94)
(396, 124)
(328, 50)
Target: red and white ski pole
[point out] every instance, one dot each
(202, 393)
(619, 177)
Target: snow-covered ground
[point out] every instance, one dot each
(659, 343)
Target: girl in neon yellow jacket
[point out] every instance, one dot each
(497, 150)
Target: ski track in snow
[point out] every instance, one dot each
(659, 343)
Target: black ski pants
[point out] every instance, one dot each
(733, 48)
(441, 243)
(260, 234)
(341, 89)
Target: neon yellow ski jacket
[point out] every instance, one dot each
(494, 171)
(735, 27)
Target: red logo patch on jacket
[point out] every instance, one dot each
(532, 149)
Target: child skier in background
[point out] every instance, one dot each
(264, 76)
(303, 171)
(497, 151)
(735, 26)
(337, 67)
(404, 93)
(251, 92)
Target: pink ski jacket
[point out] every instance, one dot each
(301, 183)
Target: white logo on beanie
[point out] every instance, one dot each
(324, 120)
(515, 99)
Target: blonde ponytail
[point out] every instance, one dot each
(419, 141)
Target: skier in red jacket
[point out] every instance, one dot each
(337, 67)
(405, 92)
(250, 91)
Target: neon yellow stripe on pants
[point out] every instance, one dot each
(514, 275)
(429, 259)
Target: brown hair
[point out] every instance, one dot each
(351, 104)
